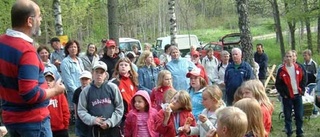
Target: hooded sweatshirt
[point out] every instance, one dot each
(133, 121)
(59, 113)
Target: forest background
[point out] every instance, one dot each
(87, 21)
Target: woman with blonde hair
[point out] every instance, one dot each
(255, 89)
(147, 71)
(251, 107)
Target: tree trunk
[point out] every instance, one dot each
(318, 40)
(277, 21)
(307, 20)
(173, 22)
(246, 39)
(113, 20)
(292, 28)
(57, 17)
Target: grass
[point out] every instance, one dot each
(310, 126)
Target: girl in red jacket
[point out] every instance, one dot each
(164, 83)
(175, 115)
(255, 89)
(140, 119)
(126, 78)
(59, 110)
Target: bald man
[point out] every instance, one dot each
(23, 89)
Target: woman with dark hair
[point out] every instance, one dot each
(90, 58)
(71, 68)
(44, 54)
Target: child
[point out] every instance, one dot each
(59, 110)
(255, 89)
(167, 97)
(100, 104)
(126, 79)
(80, 127)
(251, 107)
(197, 85)
(231, 122)
(164, 83)
(140, 119)
(237, 95)
(175, 115)
(212, 101)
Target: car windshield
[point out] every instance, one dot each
(127, 46)
(215, 47)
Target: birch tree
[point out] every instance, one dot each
(173, 22)
(57, 17)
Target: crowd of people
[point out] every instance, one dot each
(136, 93)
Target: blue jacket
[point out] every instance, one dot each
(148, 78)
(234, 77)
(179, 69)
(196, 101)
(70, 73)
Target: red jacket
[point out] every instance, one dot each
(59, 113)
(169, 130)
(157, 95)
(267, 120)
(131, 127)
(283, 82)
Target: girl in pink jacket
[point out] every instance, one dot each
(140, 120)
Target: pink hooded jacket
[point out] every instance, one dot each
(131, 127)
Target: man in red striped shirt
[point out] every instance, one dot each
(23, 89)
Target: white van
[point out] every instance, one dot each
(183, 42)
(126, 44)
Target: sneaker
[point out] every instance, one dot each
(314, 115)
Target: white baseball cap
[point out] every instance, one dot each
(100, 64)
(86, 74)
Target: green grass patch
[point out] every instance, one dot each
(310, 126)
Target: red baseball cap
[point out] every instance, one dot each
(195, 72)
(111, 43)
(195, 53)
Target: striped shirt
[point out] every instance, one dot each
(22, 82)
(142, 118)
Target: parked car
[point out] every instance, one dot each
(227, 42)
(126, 44)
(183, 42)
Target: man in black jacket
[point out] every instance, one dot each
(110, 57)
(262, 59)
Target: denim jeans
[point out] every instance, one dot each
(37, 129)
(296, 104)
(69, 98)
(81, 128)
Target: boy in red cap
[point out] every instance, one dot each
(110, 57)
